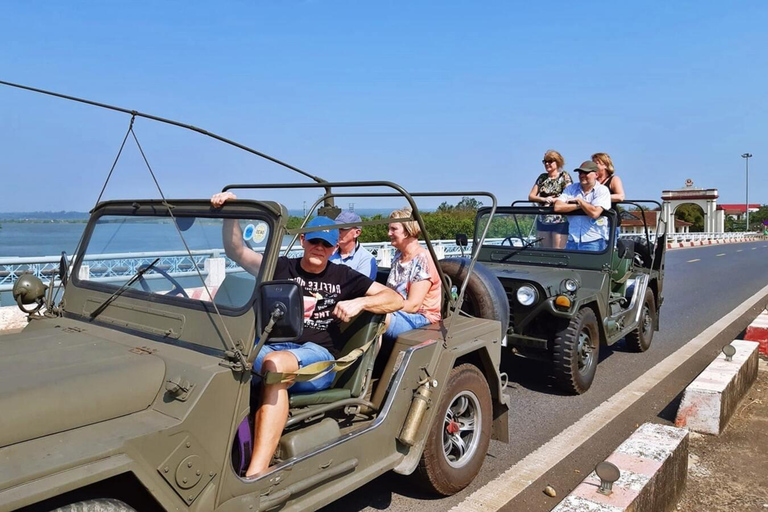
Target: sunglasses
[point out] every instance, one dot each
(548, 161)
(316, 241)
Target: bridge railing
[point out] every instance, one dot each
(702, 237)
(108, 267)
(179, 264)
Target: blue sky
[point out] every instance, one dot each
(433, 95)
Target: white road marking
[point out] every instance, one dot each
(692, 261)
(754, 248)
(498, 492)
(721, 254)
(739, 250)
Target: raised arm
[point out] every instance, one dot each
(232, 237)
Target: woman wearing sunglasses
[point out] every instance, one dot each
(552, 229)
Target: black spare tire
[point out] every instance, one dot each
(485, 296)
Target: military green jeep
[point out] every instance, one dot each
(564, 304)
(130, 388)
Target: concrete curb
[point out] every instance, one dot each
(712, 397)
(698, 243)
(758, 331)
(654, 464)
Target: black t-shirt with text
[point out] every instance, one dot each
(321, 293)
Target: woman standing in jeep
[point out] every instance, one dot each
(606, 176)
(552, 229)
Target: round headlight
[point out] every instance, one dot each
(570, 285)
(527, 295)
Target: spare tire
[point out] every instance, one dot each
(485, 296)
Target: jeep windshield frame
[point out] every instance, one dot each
(122, 237)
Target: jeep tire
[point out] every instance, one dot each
(640, 339)
(575, 352)
(485, 296)
(458, 441)
(97, 505)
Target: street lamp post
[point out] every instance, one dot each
(747, 156)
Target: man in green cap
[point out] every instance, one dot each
(587, 232)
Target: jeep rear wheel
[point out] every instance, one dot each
(640, 339)
(98, 505)
(458, 441)
(575, 352)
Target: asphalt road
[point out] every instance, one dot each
(701, 285)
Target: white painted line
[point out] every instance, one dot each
(499, 491)
(721, 254)
(754, 248)
(694, 260)
(739, 250)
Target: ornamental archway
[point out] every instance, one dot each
(706, 198)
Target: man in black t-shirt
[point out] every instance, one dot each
(332, 294)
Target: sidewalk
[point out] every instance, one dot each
(729, 472)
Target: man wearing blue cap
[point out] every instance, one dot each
(350, 252)
(332, 294)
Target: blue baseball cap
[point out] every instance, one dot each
(329, 235)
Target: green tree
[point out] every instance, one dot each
(691, 213)
(757, 218)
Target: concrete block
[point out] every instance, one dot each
(758, 331)
(653, 464)
(709, 401)
(12, 318)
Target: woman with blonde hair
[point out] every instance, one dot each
(552, 229)
(606, 176)
(413, 275)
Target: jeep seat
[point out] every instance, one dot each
(352, 382)
(621, 266)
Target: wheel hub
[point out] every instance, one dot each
(461, 436)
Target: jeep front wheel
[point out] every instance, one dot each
(457, 443)
(640, 339)
(575, 352)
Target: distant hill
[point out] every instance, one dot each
(43, 216)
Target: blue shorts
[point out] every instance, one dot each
(400, 321)
(593, 246)
(306, 353)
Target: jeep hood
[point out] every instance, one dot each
(62, 378)
(543, 275)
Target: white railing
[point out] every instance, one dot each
(178, 263)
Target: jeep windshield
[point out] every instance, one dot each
(144, 255)
(523, 232)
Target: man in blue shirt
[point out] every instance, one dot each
(349, 251)
(587, 232)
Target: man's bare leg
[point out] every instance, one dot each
(272, 414)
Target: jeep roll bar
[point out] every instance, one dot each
(454, 305)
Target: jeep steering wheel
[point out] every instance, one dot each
(176, 290)
(509, 240)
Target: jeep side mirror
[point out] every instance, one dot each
(461, 241)
(283, 301)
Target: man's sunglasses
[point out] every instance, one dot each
(316, 241)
